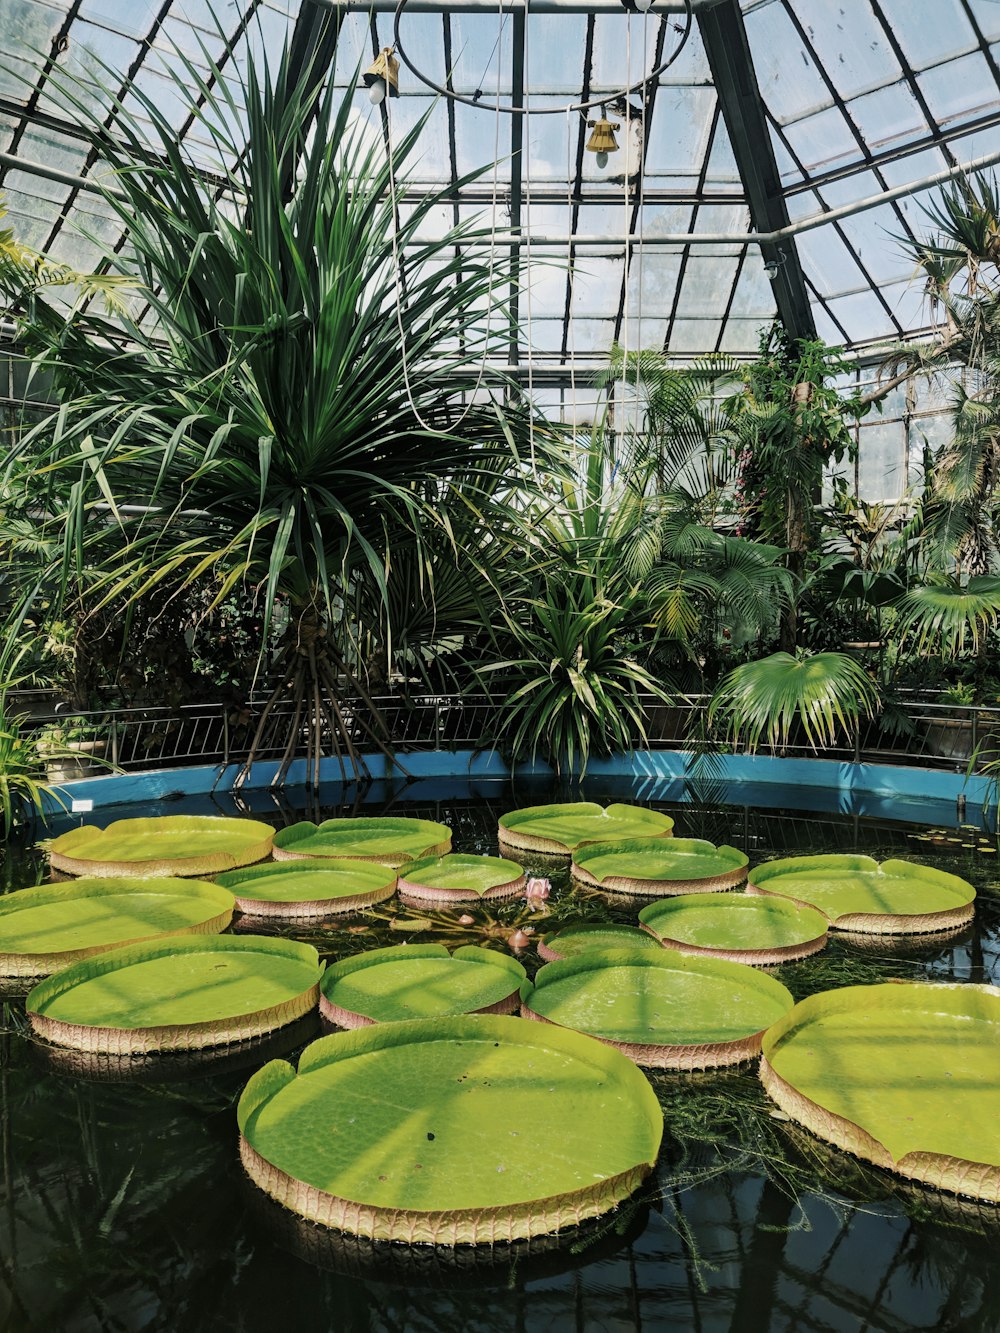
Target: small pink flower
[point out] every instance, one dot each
(537, 887)
(519, 940)
(466, 920)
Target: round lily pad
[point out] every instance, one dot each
(164, 845)
(177, 994)
(901, 1074)
(857, 894)
(745, 928)
(51, 926)
(661, 1008)
(391, 841)
(465, 1130)
(559, 829)
(418, 981)
(643, 866)
(309, 888)
(578, 939)
(461, 878)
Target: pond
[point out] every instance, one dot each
(125, 1206)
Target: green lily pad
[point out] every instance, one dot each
(391, 841)
(177, 994)
(662, 1008)
(418, 981)
(461, 878)
(857, 894)
(746, 928)
(165, 845)
(559, 829)
(309, 889)
(652, 865)
(580, 939)
(465, 1130)
(902, 1074)
(53, 925)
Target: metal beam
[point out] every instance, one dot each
(516, 176)
(729, 58)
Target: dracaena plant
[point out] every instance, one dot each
(291, 417)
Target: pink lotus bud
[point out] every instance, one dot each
(537, 887)
(519, 940)
(466, 920)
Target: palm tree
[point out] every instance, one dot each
(289, 425)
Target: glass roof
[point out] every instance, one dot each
(842, 103)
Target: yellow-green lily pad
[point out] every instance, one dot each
(461, 878)
(902, 1074)
(745, 928)
(559, 829)
(857, 894)
(466, 1130)
(643, 866)
(301, 888)
(390, 840)
(162, 845)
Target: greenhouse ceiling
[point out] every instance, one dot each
(776, 163)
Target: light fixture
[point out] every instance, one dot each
(637, 6)
(381, 74)
(772, 265)
(602, 141)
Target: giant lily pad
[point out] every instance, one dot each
(54, 925)
(466, 1130)
(165, 845)
(177, 994)
(745, 928)
(559, 829)
(461, 878)
(662, 1008)
(578, 939)
(902, 1074)
(857, 894)
(308, 888)
(391, 841)
(418, 981)
(652, 866)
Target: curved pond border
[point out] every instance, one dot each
(892, 791)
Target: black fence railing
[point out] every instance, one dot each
(914, 732)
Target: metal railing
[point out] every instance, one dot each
(916, 732)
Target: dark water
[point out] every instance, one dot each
(124, 1206)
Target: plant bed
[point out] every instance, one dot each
(902, 1074)
(663, 1009)
(167, 845)
(559, 829)
(643, 866)
(391, 841)
(54, 925)
(441, 1132)
(745, 928)
(461, 878)
(858, 895)
(304, 889)
(418, 981)
(179, 994)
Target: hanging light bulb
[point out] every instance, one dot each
(644, 6)
(602, 141)
(382, 74)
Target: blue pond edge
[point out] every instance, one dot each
(904, 793)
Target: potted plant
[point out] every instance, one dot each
(72, 749)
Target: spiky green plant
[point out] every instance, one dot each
(951, 617)
(766, 700)
(294, 420)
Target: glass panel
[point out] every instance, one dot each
(480, 52)
(888, 117)
(555, 45)
(828, 262)
(653, 283)
(754, 296)
(624, 49)
(25, 28)
(851, 44)
(693, 336)
(133, 19)
(706, 286)
(929, 34)
(353, 53)
(959, 90)
(823, 141)
(862, 316)
(679, 131)
(789, 81)
(597, 285)
(422, 38)
(882, 461)
(741, 336)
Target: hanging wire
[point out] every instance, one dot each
(394, 202)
